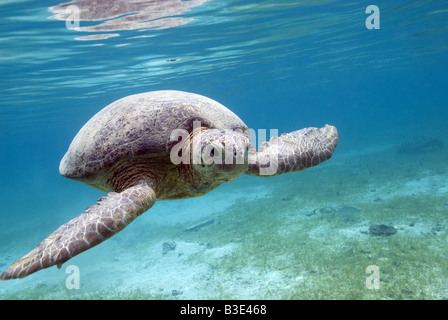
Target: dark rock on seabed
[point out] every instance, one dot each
(381, 230)
(168, 246)
(420, 144)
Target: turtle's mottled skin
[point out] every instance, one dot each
(129, 150)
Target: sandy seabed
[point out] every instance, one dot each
(278, 238)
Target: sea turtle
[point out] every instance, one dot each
(157, 146)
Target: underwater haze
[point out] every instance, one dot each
(370, 223)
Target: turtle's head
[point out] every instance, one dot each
(221, 153)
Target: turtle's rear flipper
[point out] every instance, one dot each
(293, 151)
(101, 221)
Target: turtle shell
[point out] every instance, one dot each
(140, 126)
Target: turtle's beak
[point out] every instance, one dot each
(223, 153)
(235, 154)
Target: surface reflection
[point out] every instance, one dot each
(118, 15)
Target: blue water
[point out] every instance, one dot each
(278, 65)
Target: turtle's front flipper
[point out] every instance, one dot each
(101, 221)
(293, 151)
